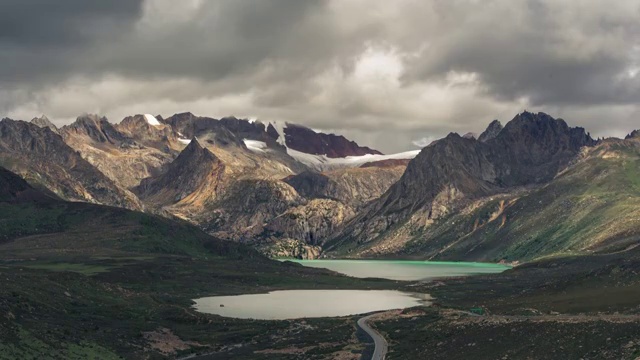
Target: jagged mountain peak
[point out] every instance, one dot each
(635, 134)
(550, 135)
(196, 174)
(195, 146)
(95, 127)
(44, 122)
(491, 132)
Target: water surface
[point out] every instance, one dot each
(404, 269)
(293, 304)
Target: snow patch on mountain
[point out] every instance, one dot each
(255, 145)
(151, 120)
(323, 163)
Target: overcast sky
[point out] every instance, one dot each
(389, 74)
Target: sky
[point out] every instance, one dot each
(392, 75)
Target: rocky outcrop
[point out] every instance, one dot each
(43, 122)
(141, 132)
(635, 134)
(531, 149)
(354, 187)
(44, 159)
(470, 135)
(96, 128)
(195, 176)
(246, 206)
(290, 249)
(491, 132)
(310, 223)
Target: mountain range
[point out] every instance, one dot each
(532, 188)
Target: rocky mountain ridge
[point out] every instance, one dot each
(290, 191)
(43, 158)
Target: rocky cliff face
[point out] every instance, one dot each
(531, 149)
(635, 134)
(246, 206)
(43, 158)
(140, 131)
(353, 187)
(491, 132)
(44, 122)
(98, 129)
(310, 223)
(195, 176)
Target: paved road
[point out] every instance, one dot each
(381, 345)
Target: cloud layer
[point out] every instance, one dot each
(387, 74)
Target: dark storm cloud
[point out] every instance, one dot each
(41, 38)
(55, 23)
(226, 38)
(418, 69)
(552, 52)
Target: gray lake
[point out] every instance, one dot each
(293, 304)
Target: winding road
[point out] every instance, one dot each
(380, 343)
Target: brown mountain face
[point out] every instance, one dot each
(138, 129)
(97, 129)
(194, 178)
(43, 158)
(127, 152)
(531, 149)
(246, 206)
(353, 187)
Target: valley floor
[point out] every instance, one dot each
(111, 307)
(140, 308)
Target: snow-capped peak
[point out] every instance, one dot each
(151, 120)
